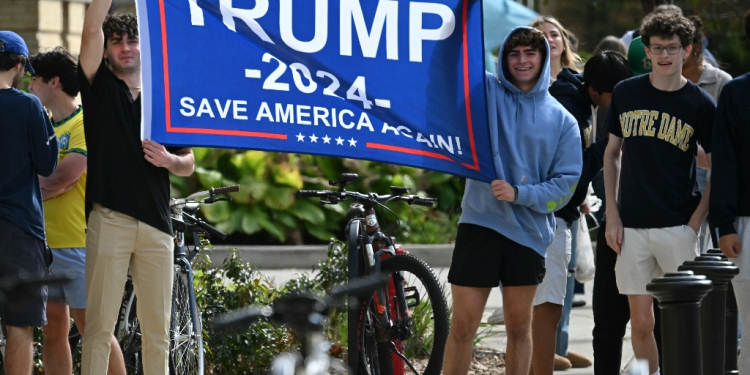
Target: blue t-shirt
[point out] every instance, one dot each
(661, 131)
(29, 147)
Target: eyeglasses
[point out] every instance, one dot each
(671, 49)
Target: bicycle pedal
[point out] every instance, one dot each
(411, 294)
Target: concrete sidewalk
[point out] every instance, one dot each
(581, 321)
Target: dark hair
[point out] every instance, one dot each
(611, 43)
(526, 37)
(697, 41)
(604, 70)
(57, 63)
(9, 60)
(746, 22)
(666, 25)
(119, 23)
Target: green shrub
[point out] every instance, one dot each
(266, 210)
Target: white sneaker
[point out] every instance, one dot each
(497, 317)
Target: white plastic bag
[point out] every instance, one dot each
(586, 268)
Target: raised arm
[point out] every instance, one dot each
(92, 40)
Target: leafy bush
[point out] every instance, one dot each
(267, 211)
(237, 285)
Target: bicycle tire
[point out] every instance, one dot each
(185, 340)
(425, 329)
(76, 347)
(128, 331)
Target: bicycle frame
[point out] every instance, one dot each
(377, 246)
(183, 259)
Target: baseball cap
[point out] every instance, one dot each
(637, 60)
(13, 43)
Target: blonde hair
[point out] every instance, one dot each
(568, 58)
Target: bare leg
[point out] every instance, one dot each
(642, 329)
(116, 361)
(56, 351)
(544, 332)
(468, 306)
(18, 350)
(517, 306)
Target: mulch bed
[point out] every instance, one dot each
(486, 362)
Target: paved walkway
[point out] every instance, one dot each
(581, 325)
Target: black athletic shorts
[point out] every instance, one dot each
(22, 253)
(484, 258)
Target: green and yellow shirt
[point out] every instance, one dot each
(64, 215)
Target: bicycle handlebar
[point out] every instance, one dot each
(191, 221)
(341, 195)
(296, 310)
(212, 191)
(243, 317)
(213, 232)
(227, 189)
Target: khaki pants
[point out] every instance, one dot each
(115, 242)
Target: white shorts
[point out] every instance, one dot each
(553, 286)
(650, 253)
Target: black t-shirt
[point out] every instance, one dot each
(660, 131)
(119, 176)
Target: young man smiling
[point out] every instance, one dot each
(654, 208)
(127, 194)
(507, 225)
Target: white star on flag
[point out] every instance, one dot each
(300, 137)
(339, 141)
(313, 138)
(352, 143)
(326, 139)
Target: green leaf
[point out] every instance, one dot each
(320, 233)
(288, 175)
(209, 179)
(257, 188)
(251, 163)
(226, 227)
(250, 224)
(217, 212)
(308, 211)
(286, 218)
(275, 229)
(279, 198)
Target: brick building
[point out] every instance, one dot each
(49, 23)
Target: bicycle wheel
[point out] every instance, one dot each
(186, 340)
(128, 332)
(75, 343)
(421, 336)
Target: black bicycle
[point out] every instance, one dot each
(306, 313)
(186, 331)
(404, 324)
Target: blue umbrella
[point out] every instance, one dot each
(500, 17)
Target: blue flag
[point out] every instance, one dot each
(395, 81)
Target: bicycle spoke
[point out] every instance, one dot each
(184, 356)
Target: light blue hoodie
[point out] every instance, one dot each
(537, 148)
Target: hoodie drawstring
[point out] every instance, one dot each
(534, 117)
